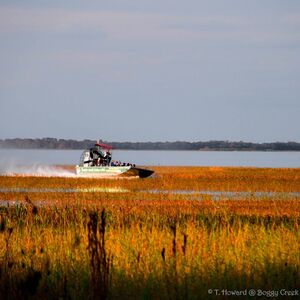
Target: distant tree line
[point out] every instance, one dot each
(53, 143)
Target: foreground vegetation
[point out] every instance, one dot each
(142, 240)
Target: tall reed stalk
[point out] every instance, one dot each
(100, 260)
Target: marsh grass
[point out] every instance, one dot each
(100, 260)
(149, 245)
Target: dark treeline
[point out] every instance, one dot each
(53, 143)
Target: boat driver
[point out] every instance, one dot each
(96, 156)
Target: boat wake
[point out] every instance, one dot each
(35, 170)
(40, 170)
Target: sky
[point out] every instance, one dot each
(141, 70)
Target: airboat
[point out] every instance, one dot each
(97, 162)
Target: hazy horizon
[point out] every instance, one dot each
(157, 141)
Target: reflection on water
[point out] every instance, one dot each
(217, 195)
(41, 203)
(188, 194)
(62, 190)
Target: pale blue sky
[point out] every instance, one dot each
(150, 70)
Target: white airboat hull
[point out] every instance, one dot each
(110, 171)
(96, 162)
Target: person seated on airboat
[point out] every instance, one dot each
(100, 156)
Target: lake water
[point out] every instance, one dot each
(158, 158)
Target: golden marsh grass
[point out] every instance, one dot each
(165, 237)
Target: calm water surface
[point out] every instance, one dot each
(158, 158)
